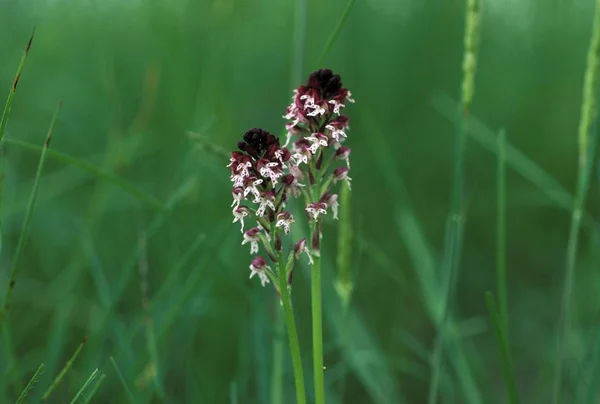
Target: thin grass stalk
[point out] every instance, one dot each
(317, 326)
(64, 371)
(151, 345)
(502, 339)
(95, 388)
(85, 385)
(594, 378)
(13, 88)
(294, 342)
(300, 22)
(588, 110)
(278, 349)
(26, 221)
(343, 284)
(10, 375)
(335, 33)
(130, 397)
(32, 382)
(454, 237)
(501, 232)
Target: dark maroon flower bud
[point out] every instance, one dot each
(299, 248)
(251, 236)
(277, 242)
(257, 141)
(341, 174)
(326, 82)
(285, 155)
(259, 267)
(289, 180)
(248, 149)
(291, 184)
(331, 200)
(238, 195)
(342, 121)
(342, 153)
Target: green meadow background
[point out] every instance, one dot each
(149, 267)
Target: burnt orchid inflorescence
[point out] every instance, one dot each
(267, 175)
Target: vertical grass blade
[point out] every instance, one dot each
(502, 339)
(501, 231)
(32, 382)
(26, 221)
(64, 371)
(335, 33)
(343, 284)
(13, 88)
(588, 110)
(300, 22)
(85, 386)
(455, 222)
(278, 358)
(143, 266)
(128, 391)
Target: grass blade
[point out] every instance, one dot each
(278, 355)
(151, 345)
(13, 88)
(95, 171)
(64, 371)
(453, 245)
(128, 392)
(516, 159)
(85, 385)
(501, 231)
(502, 339)
(300, 22)
(94, 389)
(32, 382)
(343, 284)
(25, 227)
(335, 33)
(588, 110)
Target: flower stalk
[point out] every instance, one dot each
(267, 176)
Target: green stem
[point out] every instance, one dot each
(317, 325)
(292, 335)
(588, 110)
(277, 370)
(501, 233)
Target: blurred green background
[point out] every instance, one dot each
(136, 77)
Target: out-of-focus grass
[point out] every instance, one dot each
(137, 77)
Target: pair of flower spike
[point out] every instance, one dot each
(267, 175)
